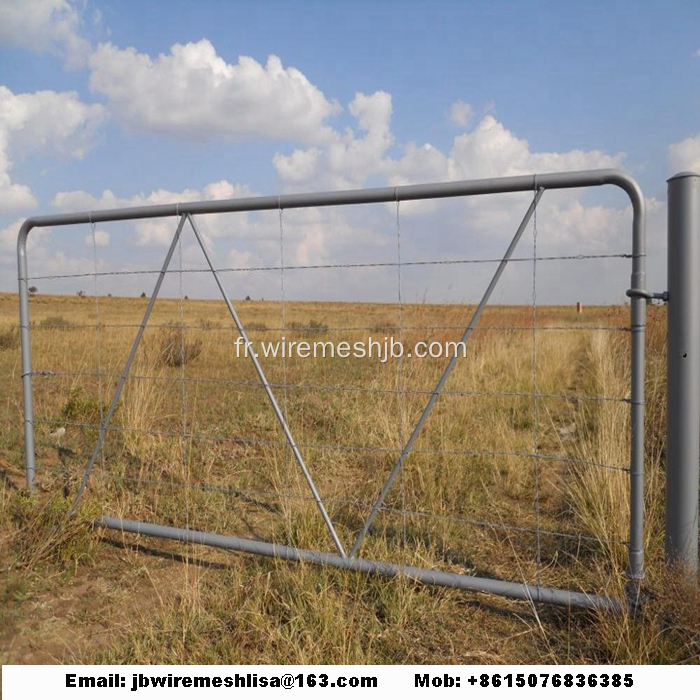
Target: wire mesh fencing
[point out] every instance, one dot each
(493, 448)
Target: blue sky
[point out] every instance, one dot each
(153, 103)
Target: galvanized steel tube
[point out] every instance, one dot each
(683, 412)
(508, 589)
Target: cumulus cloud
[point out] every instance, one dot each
(193, 93)
(101, 239)
(685, 155)
(491, 150)
(45, 121)
(348, 158)
(235, 240)
(242, 240)
(352, 157)
(13, 197)
(461, 113)
(150, 233)
(45, 26)
(476, 227)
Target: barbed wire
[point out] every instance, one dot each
(336, 266)
(317, 332)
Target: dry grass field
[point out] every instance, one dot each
(195, 444)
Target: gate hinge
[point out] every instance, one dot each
(649, 296)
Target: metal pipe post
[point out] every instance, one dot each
(26, 345)
(683, 416)
(638, 312)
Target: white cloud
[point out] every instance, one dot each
(79, 200)
(101, 239)
(311, 236)
(461, 113)
(194, 93)
(685, 155)
(491, 150)
(45, 26)
(159, 232)
(697, 54)
(475, 227)
(346, 160)
(234, 240)
(44, 121)
(14, 197)
(300, 166)
(350, 159)
(49, 121)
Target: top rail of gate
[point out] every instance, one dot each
(402, 193)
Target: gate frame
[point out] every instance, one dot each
(527, 183)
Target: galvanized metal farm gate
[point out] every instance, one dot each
(186, 213)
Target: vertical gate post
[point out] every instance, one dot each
(683, 417)
(25, 342)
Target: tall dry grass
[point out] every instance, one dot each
(141, 410)
(600, 496)
(214, 608)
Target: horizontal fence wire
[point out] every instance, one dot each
(336, 266)
(335, 446)
(356, 502)
(335, 388)
(318, 332)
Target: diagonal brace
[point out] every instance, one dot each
(270, 394)
(445, 375)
